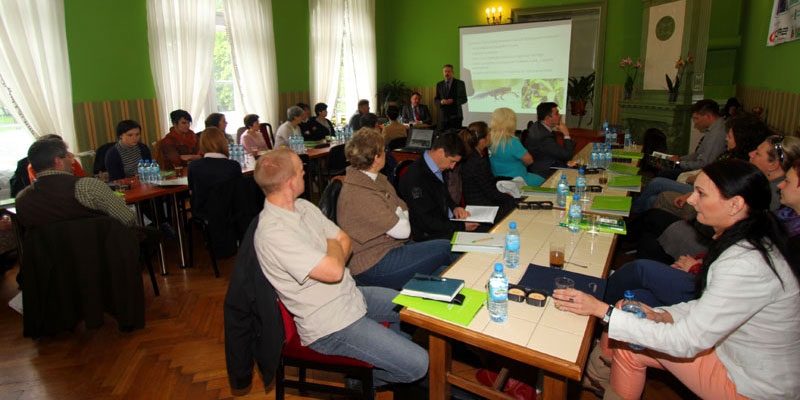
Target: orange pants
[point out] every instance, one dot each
(704, 374)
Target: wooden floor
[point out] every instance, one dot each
(178, 355)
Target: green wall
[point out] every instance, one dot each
(109, 57)
(108, 51)
(416, 37)
(773, 68)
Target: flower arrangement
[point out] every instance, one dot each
(631, 70)
(680, 65)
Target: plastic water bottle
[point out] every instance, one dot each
(630, 306)
(497, 300)
(240, 155)
(140, 171)
(628, 138)
(511, 253)
(593, 157)
(605, 130)
(148, 171)
(575, 214)
(608, 157)
(562, 191)
(156, 173)
(580, 183)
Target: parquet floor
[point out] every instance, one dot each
(178, 355)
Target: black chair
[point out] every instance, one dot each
(399, 171)
(239, 132)
(269, 137)
(396, 143)
(77, 270)
(100, 158)
(336, 162)
(330, 198)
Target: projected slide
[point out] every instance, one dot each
(516, 66)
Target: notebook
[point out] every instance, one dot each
(418, 141)
(493, 243)
(614, 205)
(631, 183)
(432, 287)
(459, 314)
(485, 214)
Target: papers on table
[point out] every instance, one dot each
(538, 191)
(480, 214)
(492, 243)
(512, 187)
(613, 205)
(624, 169)
(631, 155)
(182, 181)
(631, 183)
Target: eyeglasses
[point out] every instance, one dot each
(777, 144)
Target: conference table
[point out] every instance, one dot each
(556, 342)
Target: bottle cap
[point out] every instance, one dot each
(512, 225)
(576, 196)
(498, 267)
(628, 294)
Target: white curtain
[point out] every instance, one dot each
(181, 35)
(252, 41)
(329, 21)
(360, 16)
(34, 67)
(327, 28)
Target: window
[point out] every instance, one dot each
(14, 143)
(225, 87)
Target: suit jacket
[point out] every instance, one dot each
(424, 114)
(546, 151)
(253, 323)
(458, 92)
(428, 202)
(478, 186)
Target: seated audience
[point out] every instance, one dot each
(122, 160)
(745, 133)
(477, 182)
(321, 110)
(252, 140)
(542, 143)
(209, 200)
(303, 255)
(424, 190)
(706, 118)
(508, 156)
(370, 120)
(363, 109)
(180, 145)
(377, 221)
(395, 129)
(416, 113)
(311, 130)
(217, 120)
(790, 213)
(57, 195)
(294, 115)
(724, 344)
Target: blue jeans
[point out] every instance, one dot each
(655, 187)
(653, 283)
(396, 358)
(401, 263)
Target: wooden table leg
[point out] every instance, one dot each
(554, 387)
(439, 352)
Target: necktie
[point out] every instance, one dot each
(447, 85)
(416, 113)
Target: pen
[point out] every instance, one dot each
(482, 240)
(421, 277)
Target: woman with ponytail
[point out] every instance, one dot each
(741, 337)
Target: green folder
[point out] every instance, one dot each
(633, 155)
(538, 190)
(462, 315)
(625, 181)
(612, 203)
(624, 169)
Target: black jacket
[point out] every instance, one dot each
(546, 152)
(253, 324)
(478, 185)
(428, 202)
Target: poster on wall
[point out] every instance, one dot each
(785, 24)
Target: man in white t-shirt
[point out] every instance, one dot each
(303, 256)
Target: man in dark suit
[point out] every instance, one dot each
(416, 113)
(450, 95)
(425, 192)
(542, 143)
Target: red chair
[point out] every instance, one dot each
(296, 355)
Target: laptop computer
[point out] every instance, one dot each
(418, 141)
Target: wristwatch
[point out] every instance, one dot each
(607, 317)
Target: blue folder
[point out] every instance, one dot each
(543, 278)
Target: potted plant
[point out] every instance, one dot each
(674, 85)
(580, 92)
(631, 71)
(393, 93)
